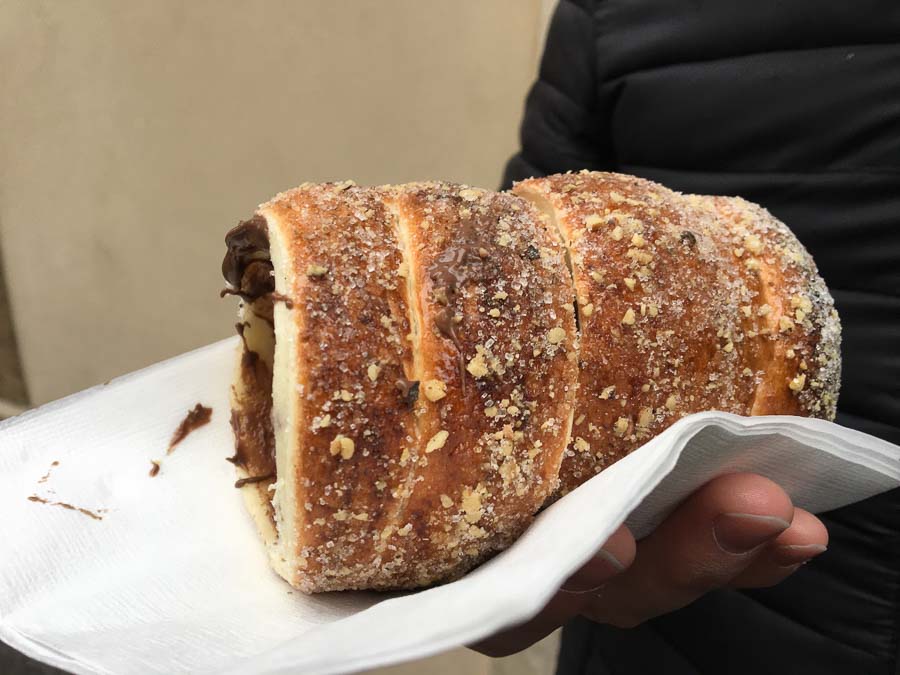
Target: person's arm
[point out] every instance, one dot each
(738, 531)
(563, 126)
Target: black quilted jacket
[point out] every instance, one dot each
(795, 105)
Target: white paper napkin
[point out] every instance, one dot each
(174, 580)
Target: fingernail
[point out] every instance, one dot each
(792, 556)
(602, 566)
(738, 533)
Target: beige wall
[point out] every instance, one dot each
(132, 135)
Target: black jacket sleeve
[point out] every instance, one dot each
(560, 129)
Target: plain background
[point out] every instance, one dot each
(133, 135)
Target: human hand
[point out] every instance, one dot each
(737, 531)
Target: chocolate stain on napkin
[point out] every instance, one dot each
(43, 500)
(197, 417)
(46, 476)
(87, 512)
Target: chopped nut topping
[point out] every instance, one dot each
(404, 457)
(345, 395)
(639, 256)
(373, 371)
(607, 392)
(434, 390)
(470, 194)
(753, 244)
(386, 321)
(437, 441)
(621, 426)
(446, 502)
(403, 269)
(580, 419)
(477, 366)
(763, 310)
(343, 446)
(738, 252)
(785, 324)
(588, 309)
(556, 335)
(592, 220)
(638, 240)
(316, 270)
(799, 314)
(405, 530)
(671, 402)
(596, 276)
(341, 515)
(752, 264)
(491, 411)
(504, 239)
(582, 445)
(471, 505)
(790, 353)
(645, 417)
(500, 295)
(630, 283)
(747, 372)
(324, 422)
(653, 310)
(628, 318)
(802, 302)
(494, 312)
(747, 310)
(729, 347)
(616, 233)
(798, 382)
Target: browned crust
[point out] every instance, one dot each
(802, 332)
(509, 392)
(685, 317)
(686, 303)
(393, 513)
(350, 314)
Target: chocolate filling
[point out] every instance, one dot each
(196, 417)
(465, 259)
(247, 269)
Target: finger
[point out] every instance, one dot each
(710, 539)
(615, 556)
(806, 538)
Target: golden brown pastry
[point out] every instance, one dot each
(423, 349)
(686, 303)
(410, 369)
